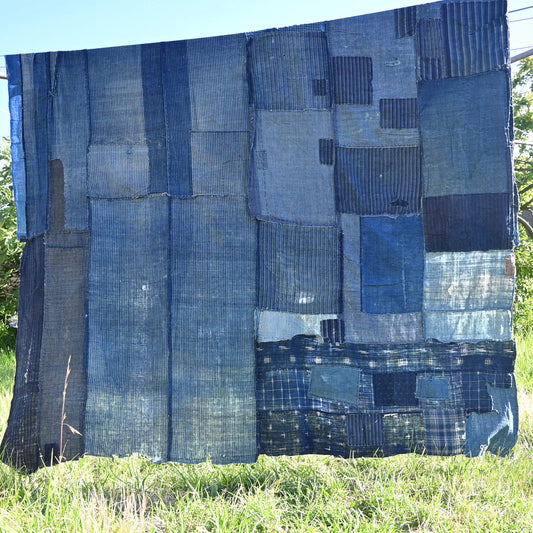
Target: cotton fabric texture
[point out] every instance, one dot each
(292, 241)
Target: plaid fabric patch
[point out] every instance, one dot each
(475, 393)
(283, 389)
(445, 431)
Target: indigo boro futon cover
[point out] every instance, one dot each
(291, 241)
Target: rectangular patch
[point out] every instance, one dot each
(464, 223)
(465, 151)
(459, 281)
(337, 383)
(445, 431)
(283, 433)
(287, 147)
(430, 50)
(352, 80)
(70, 136)
(154, 115)
(127, 320)
(365, 429)
(218, 83)
(392, 264)
(177, 101)
(475, 42)
(430, 387)
(116, 96)
(18, 166)
(36, 81)
(279, 325)
(453, 326)
(376, 181)
(220, 162)
(326, 151)
(333, 330)
(405, 21)
(299, 268)
(404, 432)
(118, 170)
(395, 389)
(282, 389)
(63, 347)
(398, 113)
(213, 254)
(288, 70)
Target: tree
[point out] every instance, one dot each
(523, 126)
(10, 251)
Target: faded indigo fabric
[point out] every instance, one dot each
(291, 241)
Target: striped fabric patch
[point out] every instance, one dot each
(475, 35)
(352, 80)
(430, 49)
(364, 429)
(405, 20)
(398, 113)
(299, 268)
(279, 61)
(375, 181)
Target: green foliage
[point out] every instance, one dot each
(523, 122)
(10, 250)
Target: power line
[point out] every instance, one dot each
(521, 9)
(522, 55)
(520, 20)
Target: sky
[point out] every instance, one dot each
(39, 26)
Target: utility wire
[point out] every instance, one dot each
(521, 9)
(520, 20)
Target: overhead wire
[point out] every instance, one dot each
(521, 9)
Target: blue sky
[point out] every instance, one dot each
(39, 26)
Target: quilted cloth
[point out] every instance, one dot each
(292, 241)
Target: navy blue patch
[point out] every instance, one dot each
(283, 433)
(326, 151)
(154, 116)
(56, 201)
(36, 137)
(467, 222)
(178, 117)
(375, 181)
(332, 330)
(485, 356)
(320, 87)
(288, 70)
(352, 80)
(364, 429)
(395, 389)
(19, 444)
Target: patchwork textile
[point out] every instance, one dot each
(291, 241)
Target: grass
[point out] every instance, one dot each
(307, 493)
